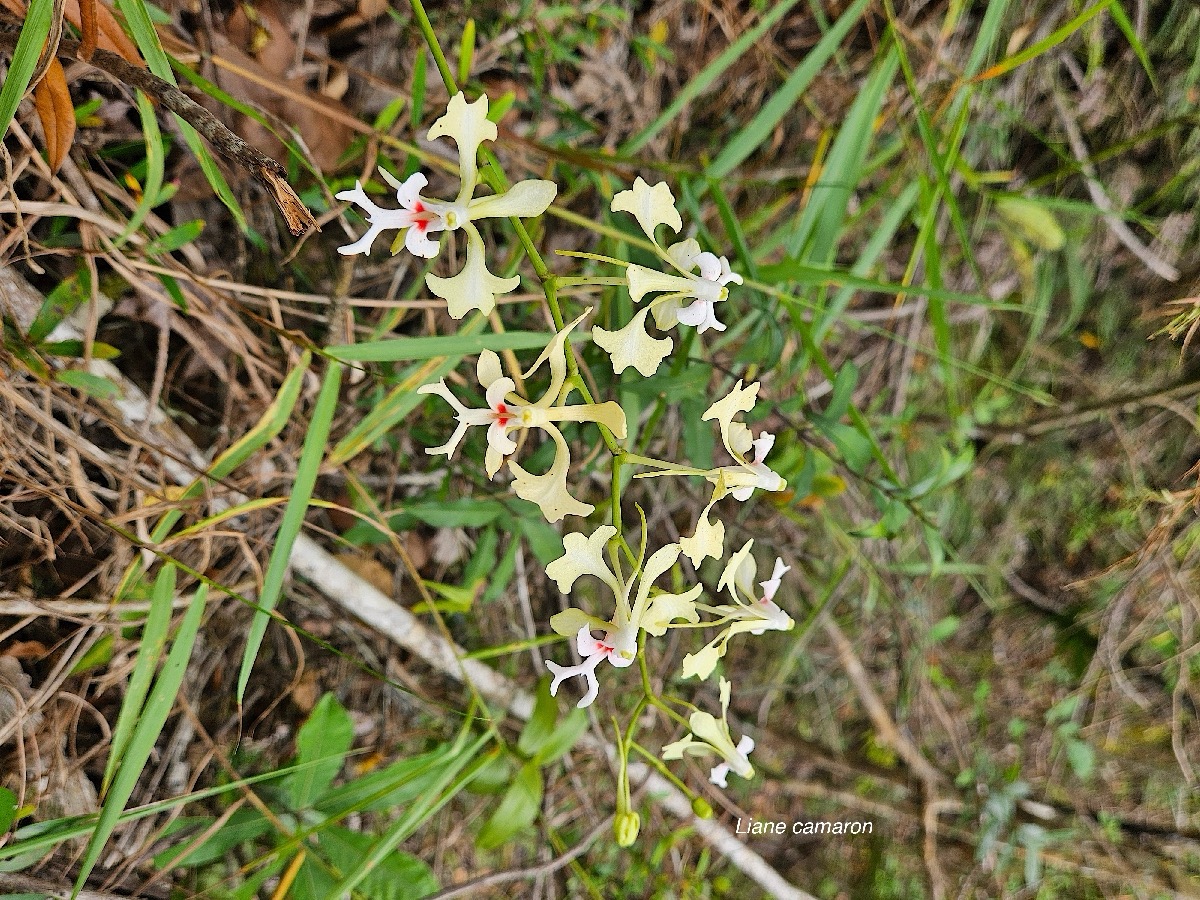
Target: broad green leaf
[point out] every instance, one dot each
(452, 778)
(397, 876)
(93, 385)
(464, 512)
(8, 809)
(323, 740)
(245, 825)
(516, 811)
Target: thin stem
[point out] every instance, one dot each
(662, 770)
(431, 39)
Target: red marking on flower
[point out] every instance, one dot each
(502, 416)
(604, 648)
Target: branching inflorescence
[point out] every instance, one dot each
(686, 290)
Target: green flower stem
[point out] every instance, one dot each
(431, 39)
(494, 177)
(659, 766)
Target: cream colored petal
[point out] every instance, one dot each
(739, 440)
(525, 199)
(664, 609)
(609, 414)
(468, 124)
(666, 311)
(659, 562)
(708, 539)
(651, 206)
(549, 491)
(488, 369)
(739, 400)
(570, 620)
(685, 745)
(474, 287)
(739, 572)
(493, 459)
(633, 346)
(701, 663)
(684, 254)
(643, 281)
(584, 556)
(556, 354)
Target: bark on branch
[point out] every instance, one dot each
(266, 171)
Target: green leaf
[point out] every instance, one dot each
(244, 826)
(324, 740)
(93, 385)
(545, 737)
(99, 655)
(943, 629)
(24, 59)
(1082, 758)
(397, 876)
(1033, 220)
(516, 811)
(179, 236)
(8, 809)
(461, 513)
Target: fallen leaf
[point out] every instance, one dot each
(52, 99)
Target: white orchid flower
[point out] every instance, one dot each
(748, 473)
(418, 217)
(752, 611)
(741, 479)
(710, 737)
(654, 615)
(507, 411)
(689, 295)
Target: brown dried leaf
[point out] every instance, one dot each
(88, 27)
(109, 34)
(52, 99)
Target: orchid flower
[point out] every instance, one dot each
(740, 480)
(710, 737)
(699, 281)
(750, 611)
(654, 615)
(418, 217)
(507, 411)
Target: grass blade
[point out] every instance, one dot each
(307, 468)
(705, 77)
(154, 639)
(747, 140)
(824, 216)
(24, 60)
(145, 735)
(399, 402)
(413, 348)
(1049, 42)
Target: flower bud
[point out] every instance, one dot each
(701, 808)
(626, 827)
